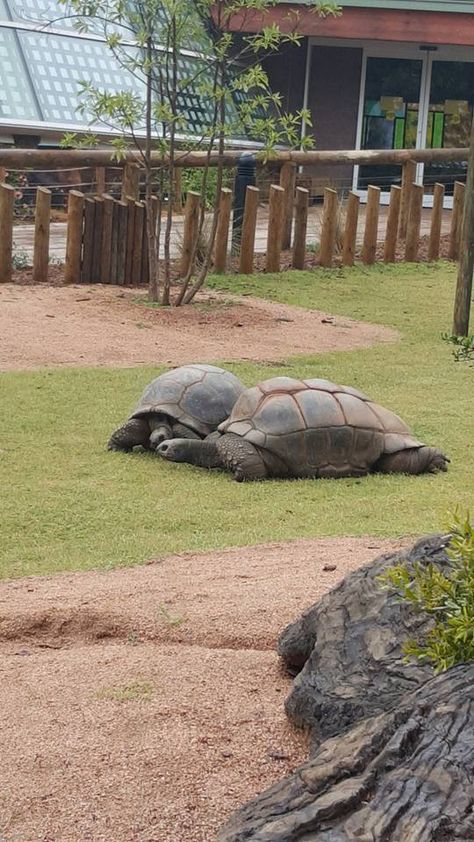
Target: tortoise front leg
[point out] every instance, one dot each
(241, 458)
(133, 432)
(415, 460)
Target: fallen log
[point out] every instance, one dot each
(348, 647)
(401, 776)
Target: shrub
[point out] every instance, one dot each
(449, 599)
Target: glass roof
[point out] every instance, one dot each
(41, 68)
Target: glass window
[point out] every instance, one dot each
(16, 96)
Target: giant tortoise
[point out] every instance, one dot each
(188, 402)
(308, 428)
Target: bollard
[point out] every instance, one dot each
(245, 177)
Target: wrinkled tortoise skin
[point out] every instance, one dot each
(317, 427)
(198, 396)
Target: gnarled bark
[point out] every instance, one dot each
(401, 776)
(348, 647)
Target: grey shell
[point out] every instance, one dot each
(315, 426)
(199, 396)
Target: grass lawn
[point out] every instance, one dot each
(66, 503)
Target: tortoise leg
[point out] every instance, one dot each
(133, 432)
(241, 458)
(416, 460)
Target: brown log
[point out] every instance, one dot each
(106, 253)
(190, 232)
(408, 179)
(88, 240)
(7, 199)
(69, 158)
(138, 243)
(144, 272)
(456, 220)
(393, 221)
(131, 182)
(371, 232)
(276, 216)
(98, 233)
(222, 233)
(288, 182)
(130, 241)
(41, 243)
(301, 225)
(100, 178)
(414, 223)
(329, 227)
(122, 241)
(404, 776)
(436, 219)
(3, 174)
(350, 230)
(249, 228)
(75, 225)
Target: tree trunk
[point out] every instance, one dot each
(402, 776)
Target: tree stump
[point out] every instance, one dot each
(401, 776)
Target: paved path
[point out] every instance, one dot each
(23, 235)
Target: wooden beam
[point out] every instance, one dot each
(462, 302)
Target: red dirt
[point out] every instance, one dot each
(102, 325)
(145, 704)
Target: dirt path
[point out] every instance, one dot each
(100, 325)
(144, 704)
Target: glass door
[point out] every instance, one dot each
(390, 113)
(450, 110)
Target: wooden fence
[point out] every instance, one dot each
(107, 242)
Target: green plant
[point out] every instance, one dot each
(464, 346)
(449, 599)
(132, 692)
(20, 258)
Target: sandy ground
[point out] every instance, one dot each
(145, 704)
(101, 325)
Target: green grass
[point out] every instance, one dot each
(66, 503)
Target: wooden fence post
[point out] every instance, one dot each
(122, 228)
(106, 252)
(350, 230)
(41, 244)
(191, 221)
(222, 233)
(88, 240)
(130, 241)
(456, 220)
(288, 182)
(393, 220)
(131, 182)
(177, 191)
(249, 227)
(371, 231)
(414, 223)
(100, 180)
(276, 218)
(408, 179)
(114, 247)
(138, 243)
(98, 232)
(75, 224)
(329, 227)
(436, 219)
(7, 199)
(3, 174)
(301, 226)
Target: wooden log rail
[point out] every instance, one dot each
(20, 159)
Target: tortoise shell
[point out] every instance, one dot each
(317, 427)
(199, 396)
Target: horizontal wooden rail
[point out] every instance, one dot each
(19, 159)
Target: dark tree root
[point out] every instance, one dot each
(402, 776)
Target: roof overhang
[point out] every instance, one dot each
(407, 25)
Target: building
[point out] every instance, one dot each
(386, 74)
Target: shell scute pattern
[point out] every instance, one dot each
(199, 396)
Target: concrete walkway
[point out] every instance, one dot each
(23, 235)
